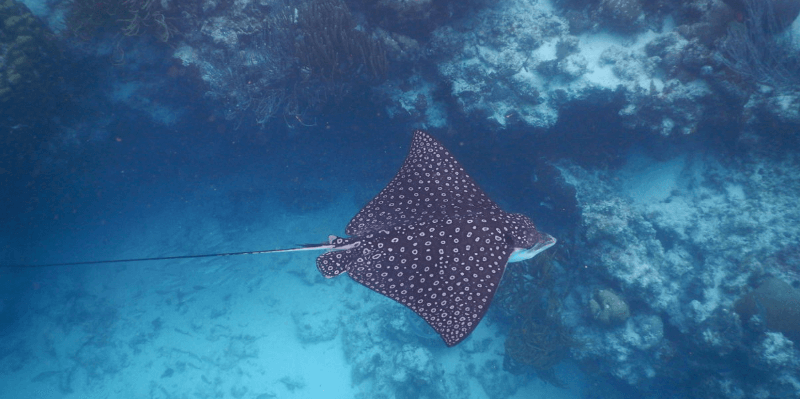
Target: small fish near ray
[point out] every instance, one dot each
(433, 241)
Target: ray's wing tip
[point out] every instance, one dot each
(548, 240)
(420, 134)
(454, 341)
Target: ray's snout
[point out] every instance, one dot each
(543, 242)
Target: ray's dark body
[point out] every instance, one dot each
(433, 241)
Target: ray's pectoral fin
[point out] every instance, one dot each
(334, 263)
(343, 253)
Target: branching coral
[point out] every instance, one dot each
(131, 17)
(146, 15)
(758, 49)
(540, 341)
(524, 280)
(527, 301)
(332, 48)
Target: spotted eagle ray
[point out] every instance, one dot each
(431, 240)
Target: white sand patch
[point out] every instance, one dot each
(646, 180)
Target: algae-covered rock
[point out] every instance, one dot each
(777, 303)
(608, 307)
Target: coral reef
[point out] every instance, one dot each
(669, 69)
(284, 60)
(525, 73)
(490, 71)
(631, 352)
(623, 14)
(28, 58)
(658, 242)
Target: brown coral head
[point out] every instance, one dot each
(608, 307)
